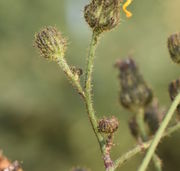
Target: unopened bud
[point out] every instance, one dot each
(154, 116)
(102, 15)
(134, 127)
(174, 90)
(134, 92)
(50, 43)
(76, 71)
(174, 47)
(108, 125)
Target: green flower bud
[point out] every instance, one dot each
(174, 90)
(108, 125)
(134, 92)
(102, 15)
(50, 43)
(174, 47)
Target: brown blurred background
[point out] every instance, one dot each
(43, 122)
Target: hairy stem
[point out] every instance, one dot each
(159, 134)
(88, 91)
(76, 84)
(139, 148)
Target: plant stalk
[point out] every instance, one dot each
(76, 84)
(142, 129)
(139, 148)
(88, 91)
(159, 134)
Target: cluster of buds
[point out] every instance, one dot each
(136, 96)
(134, 92)
(51, 44)
(174, 47)
(102, 15)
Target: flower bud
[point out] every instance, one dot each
(108, 125)
(174, 47)
(50, 43)
(134, 92)
(174, 90)
(133, 127)
(102, 15)
(153, 116)
(76, 71)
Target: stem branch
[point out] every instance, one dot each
(139, 148)
(142, 129)
(159, 134)
(76, 84)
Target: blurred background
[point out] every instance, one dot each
(43, 122)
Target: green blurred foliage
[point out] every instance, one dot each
(43, 121)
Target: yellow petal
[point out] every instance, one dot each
(128, 13)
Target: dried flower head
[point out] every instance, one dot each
(134, 92)
(174, 90)
(108, 125)
(174, 47)
(50, 43)
(102, 15)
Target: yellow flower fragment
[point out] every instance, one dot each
(126, 4)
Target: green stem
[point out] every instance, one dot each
(88, 91)
(159, 134)
(127, 156)
(139, 148)
(142, 129)
(141, 124)
(157, 162)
